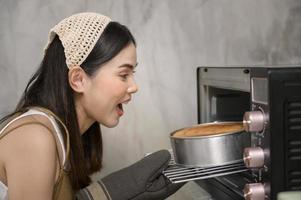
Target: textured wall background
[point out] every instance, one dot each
(174, 37)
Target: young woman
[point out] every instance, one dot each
(51, 143)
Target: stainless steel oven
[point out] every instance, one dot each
(268, 99)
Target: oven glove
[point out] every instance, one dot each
(141, 181)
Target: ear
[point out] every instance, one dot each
(77, 78)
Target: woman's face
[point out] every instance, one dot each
(110, 88)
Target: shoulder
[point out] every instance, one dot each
(27, 137)
(31, 147)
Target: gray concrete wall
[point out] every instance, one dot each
(174, 37)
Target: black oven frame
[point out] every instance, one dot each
(284, 113)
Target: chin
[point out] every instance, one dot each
(111, 124)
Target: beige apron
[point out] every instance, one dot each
(62, 189)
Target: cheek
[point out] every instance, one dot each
(104, 94)
(97, 104)
(114, 88)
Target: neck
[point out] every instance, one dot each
(84, 122)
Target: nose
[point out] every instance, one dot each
(133, 87)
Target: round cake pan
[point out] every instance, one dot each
(210, 144)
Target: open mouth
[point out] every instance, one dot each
(119, 109)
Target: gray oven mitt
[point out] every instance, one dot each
(141, 181)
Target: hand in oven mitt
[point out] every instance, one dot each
(141, 181)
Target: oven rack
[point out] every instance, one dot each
(178, 174)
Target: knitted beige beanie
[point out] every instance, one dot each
(79, 34)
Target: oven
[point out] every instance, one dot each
(268, 100)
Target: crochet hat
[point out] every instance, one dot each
(79, 34)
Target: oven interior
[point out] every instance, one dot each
(226, 104)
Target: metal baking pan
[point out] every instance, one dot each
(210, 144)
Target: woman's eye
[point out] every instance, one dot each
(124, 76)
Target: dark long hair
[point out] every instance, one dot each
(49, 88)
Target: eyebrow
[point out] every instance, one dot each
(129, 66)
